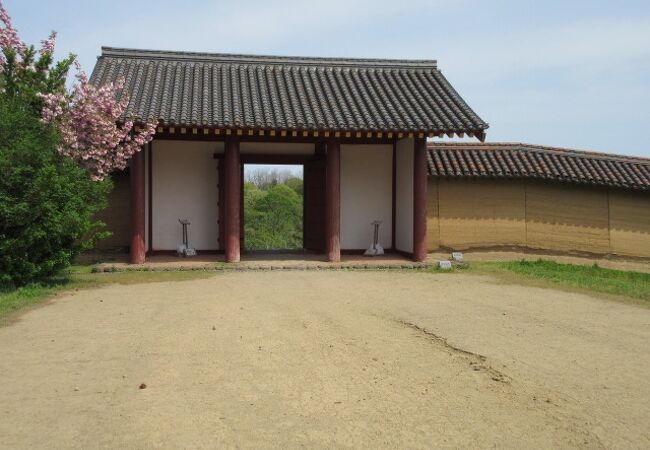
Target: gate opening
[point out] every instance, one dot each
(274, 206)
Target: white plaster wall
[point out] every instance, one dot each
(276, 148)
(184, 185)
(404, 196)
(366, 194)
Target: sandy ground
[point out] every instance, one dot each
(321, 359)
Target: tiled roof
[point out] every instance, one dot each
(270, 92)
(510, 160)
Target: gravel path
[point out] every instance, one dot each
(327, 359)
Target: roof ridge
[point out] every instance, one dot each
(543, 148)
(266, 59)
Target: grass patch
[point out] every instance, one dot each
(632, 285)
(15, 301)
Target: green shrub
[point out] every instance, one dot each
(273, 217)
(47, 202)
(296, 184)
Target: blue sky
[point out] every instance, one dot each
(564, 73)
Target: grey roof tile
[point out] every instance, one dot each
(513, 160)
(293, 93)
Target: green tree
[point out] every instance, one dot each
(47, 202)
(296, 184)
(252, 195)
(273, 217)
(25, 76)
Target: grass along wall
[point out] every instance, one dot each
(466, 213)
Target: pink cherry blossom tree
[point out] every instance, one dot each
(90, 119)
(8, 36)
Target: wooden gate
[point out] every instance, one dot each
(314, 205)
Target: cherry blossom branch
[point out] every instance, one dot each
(89, 119)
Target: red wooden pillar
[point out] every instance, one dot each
(232, 219)
(137, 208)
(333, 202)
(420, 200)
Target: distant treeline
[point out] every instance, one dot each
(264, 176)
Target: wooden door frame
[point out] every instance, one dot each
(318, 158)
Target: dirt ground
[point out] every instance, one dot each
(322, 359)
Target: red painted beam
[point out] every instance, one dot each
(420, 200)
(137, 208)
(232, 219)
(333, 202)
